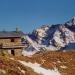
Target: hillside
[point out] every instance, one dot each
(41, 63)
(49, 50)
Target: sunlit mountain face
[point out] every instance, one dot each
(53, 37)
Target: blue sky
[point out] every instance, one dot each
(30, 14)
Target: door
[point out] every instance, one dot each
(12, 52)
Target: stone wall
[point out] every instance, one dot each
(7, 42)
(17, 52)
(10, 44)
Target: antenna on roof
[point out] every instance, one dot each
(4, 30)
(17, 29)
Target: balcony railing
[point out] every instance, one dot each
(12, 46)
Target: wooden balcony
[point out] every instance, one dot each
(12, 46)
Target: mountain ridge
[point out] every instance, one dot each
(53, 37)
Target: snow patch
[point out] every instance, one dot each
(12, 58)
(2, 72)
(22, 71)
(38, 69)
(28, 53)
(64, 67)
(58, 61)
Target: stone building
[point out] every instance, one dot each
(10, 42)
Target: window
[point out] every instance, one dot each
(12, 40)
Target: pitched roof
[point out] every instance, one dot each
(8, 34)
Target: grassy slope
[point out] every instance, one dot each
(47, 60)
(12, 67)
(50, 60)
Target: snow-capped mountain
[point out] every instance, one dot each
(53, 37)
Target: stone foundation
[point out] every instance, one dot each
(14, 52)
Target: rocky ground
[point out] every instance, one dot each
(64, 62)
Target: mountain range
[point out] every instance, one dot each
(52, 37)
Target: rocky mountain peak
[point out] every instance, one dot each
(71, 21)
(54, 37)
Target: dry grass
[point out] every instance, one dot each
(50, 60)
(12, 67)
(63, 61)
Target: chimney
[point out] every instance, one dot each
(17, 29)
(4, 30)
